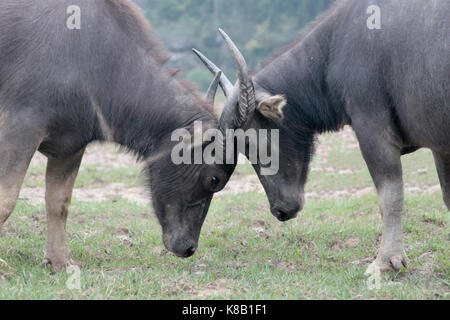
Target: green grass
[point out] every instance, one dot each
(244, 253)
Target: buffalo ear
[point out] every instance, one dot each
(272, 107)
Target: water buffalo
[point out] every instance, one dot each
(66, 83)
(388, 78)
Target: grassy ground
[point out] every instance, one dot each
(244, 253)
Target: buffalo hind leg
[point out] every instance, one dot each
(59, 181)
(443, 169)
(18, 143)
(383, 160)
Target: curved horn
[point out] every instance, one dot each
(224, 82)
(246, 99)
(211, 93)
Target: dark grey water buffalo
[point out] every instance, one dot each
(64, 84)
(383, 70)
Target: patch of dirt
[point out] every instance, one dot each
(199, 269)
(260, 227)
(423, 190)
(97, 154)
(259, 224)
(178, 287)
(123, 232)
(124, 235)
(346, 193)
(327, 142)
(364, 261)
(108, 155)
(239, 184)
(106, 193)
(349, 243)
(218, 288)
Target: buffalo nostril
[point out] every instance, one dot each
(189, 252)
(282, 216)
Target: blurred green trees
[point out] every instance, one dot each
(259, 28)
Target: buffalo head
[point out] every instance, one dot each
(249, 106)
(182, 191)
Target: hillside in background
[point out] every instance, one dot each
(259, 28)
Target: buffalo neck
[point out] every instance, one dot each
(141, 110)
(300, 73)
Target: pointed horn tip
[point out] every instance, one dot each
(235, 52)
(223, 33)
(230, 43)
(200, 55)
(227, 38)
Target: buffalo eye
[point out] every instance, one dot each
(214, 182)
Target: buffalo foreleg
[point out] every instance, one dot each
(60, 178)
(443, 169)
(382, 156)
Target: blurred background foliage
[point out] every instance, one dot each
(259, 28)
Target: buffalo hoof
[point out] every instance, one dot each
(392, 263)
(59, 266)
